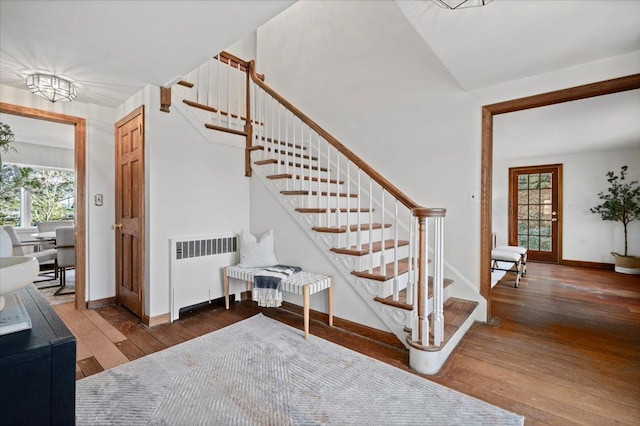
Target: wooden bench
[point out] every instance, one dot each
(304, 283)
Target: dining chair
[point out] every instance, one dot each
(65, 245)
(46, 258)
(50, 226)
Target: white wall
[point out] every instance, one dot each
(34, 155)
(194, 186)
(362, 72)
(585, 237)
(99, 146)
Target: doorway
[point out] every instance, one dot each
(488, 111)
(80, 187)
(535, 216)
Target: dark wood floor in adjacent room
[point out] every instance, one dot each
(563, 348)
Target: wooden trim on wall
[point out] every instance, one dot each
(157, 320)
(80, 187)
(108, 301)
(583, 264)
(601, 88)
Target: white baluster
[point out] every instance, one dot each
(318, 182)
(338, 224)
(411, 273)
(280, 162)
(396, 284)
(286, 147)
(383, 257)
(240, 96)
(228, 94)
(371, 225)
(302, 127)
(328, 214)
(359, 230)
(348, 204)
(218, 91)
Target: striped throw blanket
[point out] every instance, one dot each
(266, 284)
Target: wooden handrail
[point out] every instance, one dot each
(381, 180)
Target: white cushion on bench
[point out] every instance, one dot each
(292, 284)
(505, 256)
(516, 249)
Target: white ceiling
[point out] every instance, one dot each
(111, 49)
(509, 39)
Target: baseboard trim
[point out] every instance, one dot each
(107, 301)
(583, 264)
(157, 320)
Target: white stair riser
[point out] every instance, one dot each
(336, 218)
(331, 240)
(305, 184)
(362, 263)
(312, 201)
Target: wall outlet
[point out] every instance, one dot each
(473, 196)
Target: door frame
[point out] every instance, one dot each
(512, 228)
(142, 272)
(601, 88)
(80, 166)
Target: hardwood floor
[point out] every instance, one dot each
(563, 348)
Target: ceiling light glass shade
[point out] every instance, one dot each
(460, 4)
(51, 87)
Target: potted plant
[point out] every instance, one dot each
(6, 138)
(621, 203)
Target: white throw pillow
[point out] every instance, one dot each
(257, 253)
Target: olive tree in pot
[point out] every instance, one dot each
(621, 203)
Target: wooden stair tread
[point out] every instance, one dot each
(332, 210)
(343, 229)
(402, 296)
(403, 266)
(456, 312)
(186, 84)
(364, 248)
(277, 142)
(267, 161)
(215, 111)
(294, 154)
(324, 194)
(225, 129)
(291, 164)
(298, 177)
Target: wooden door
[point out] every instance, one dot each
(129, 227)
(535, 216)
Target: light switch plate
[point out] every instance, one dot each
(98, 199)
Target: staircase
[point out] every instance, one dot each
(387, 247)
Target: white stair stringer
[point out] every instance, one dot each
(367, 289)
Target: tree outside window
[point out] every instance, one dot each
(51, 194)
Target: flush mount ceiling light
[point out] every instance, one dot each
(51, 87)
(460, 4)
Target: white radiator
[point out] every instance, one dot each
(196, 269)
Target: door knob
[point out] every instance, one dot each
(554, 213)
(118, 226)
(555, 219)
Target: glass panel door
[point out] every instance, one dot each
(534, 196)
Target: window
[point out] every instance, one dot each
(30, 195)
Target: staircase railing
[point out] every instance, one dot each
(355, 203)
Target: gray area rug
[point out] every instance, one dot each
(262, 372)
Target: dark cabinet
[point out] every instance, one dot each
(37, 368)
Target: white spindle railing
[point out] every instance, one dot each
(302, 149)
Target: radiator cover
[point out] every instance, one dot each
(196, 268)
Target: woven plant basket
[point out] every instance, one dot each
(627, 264)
